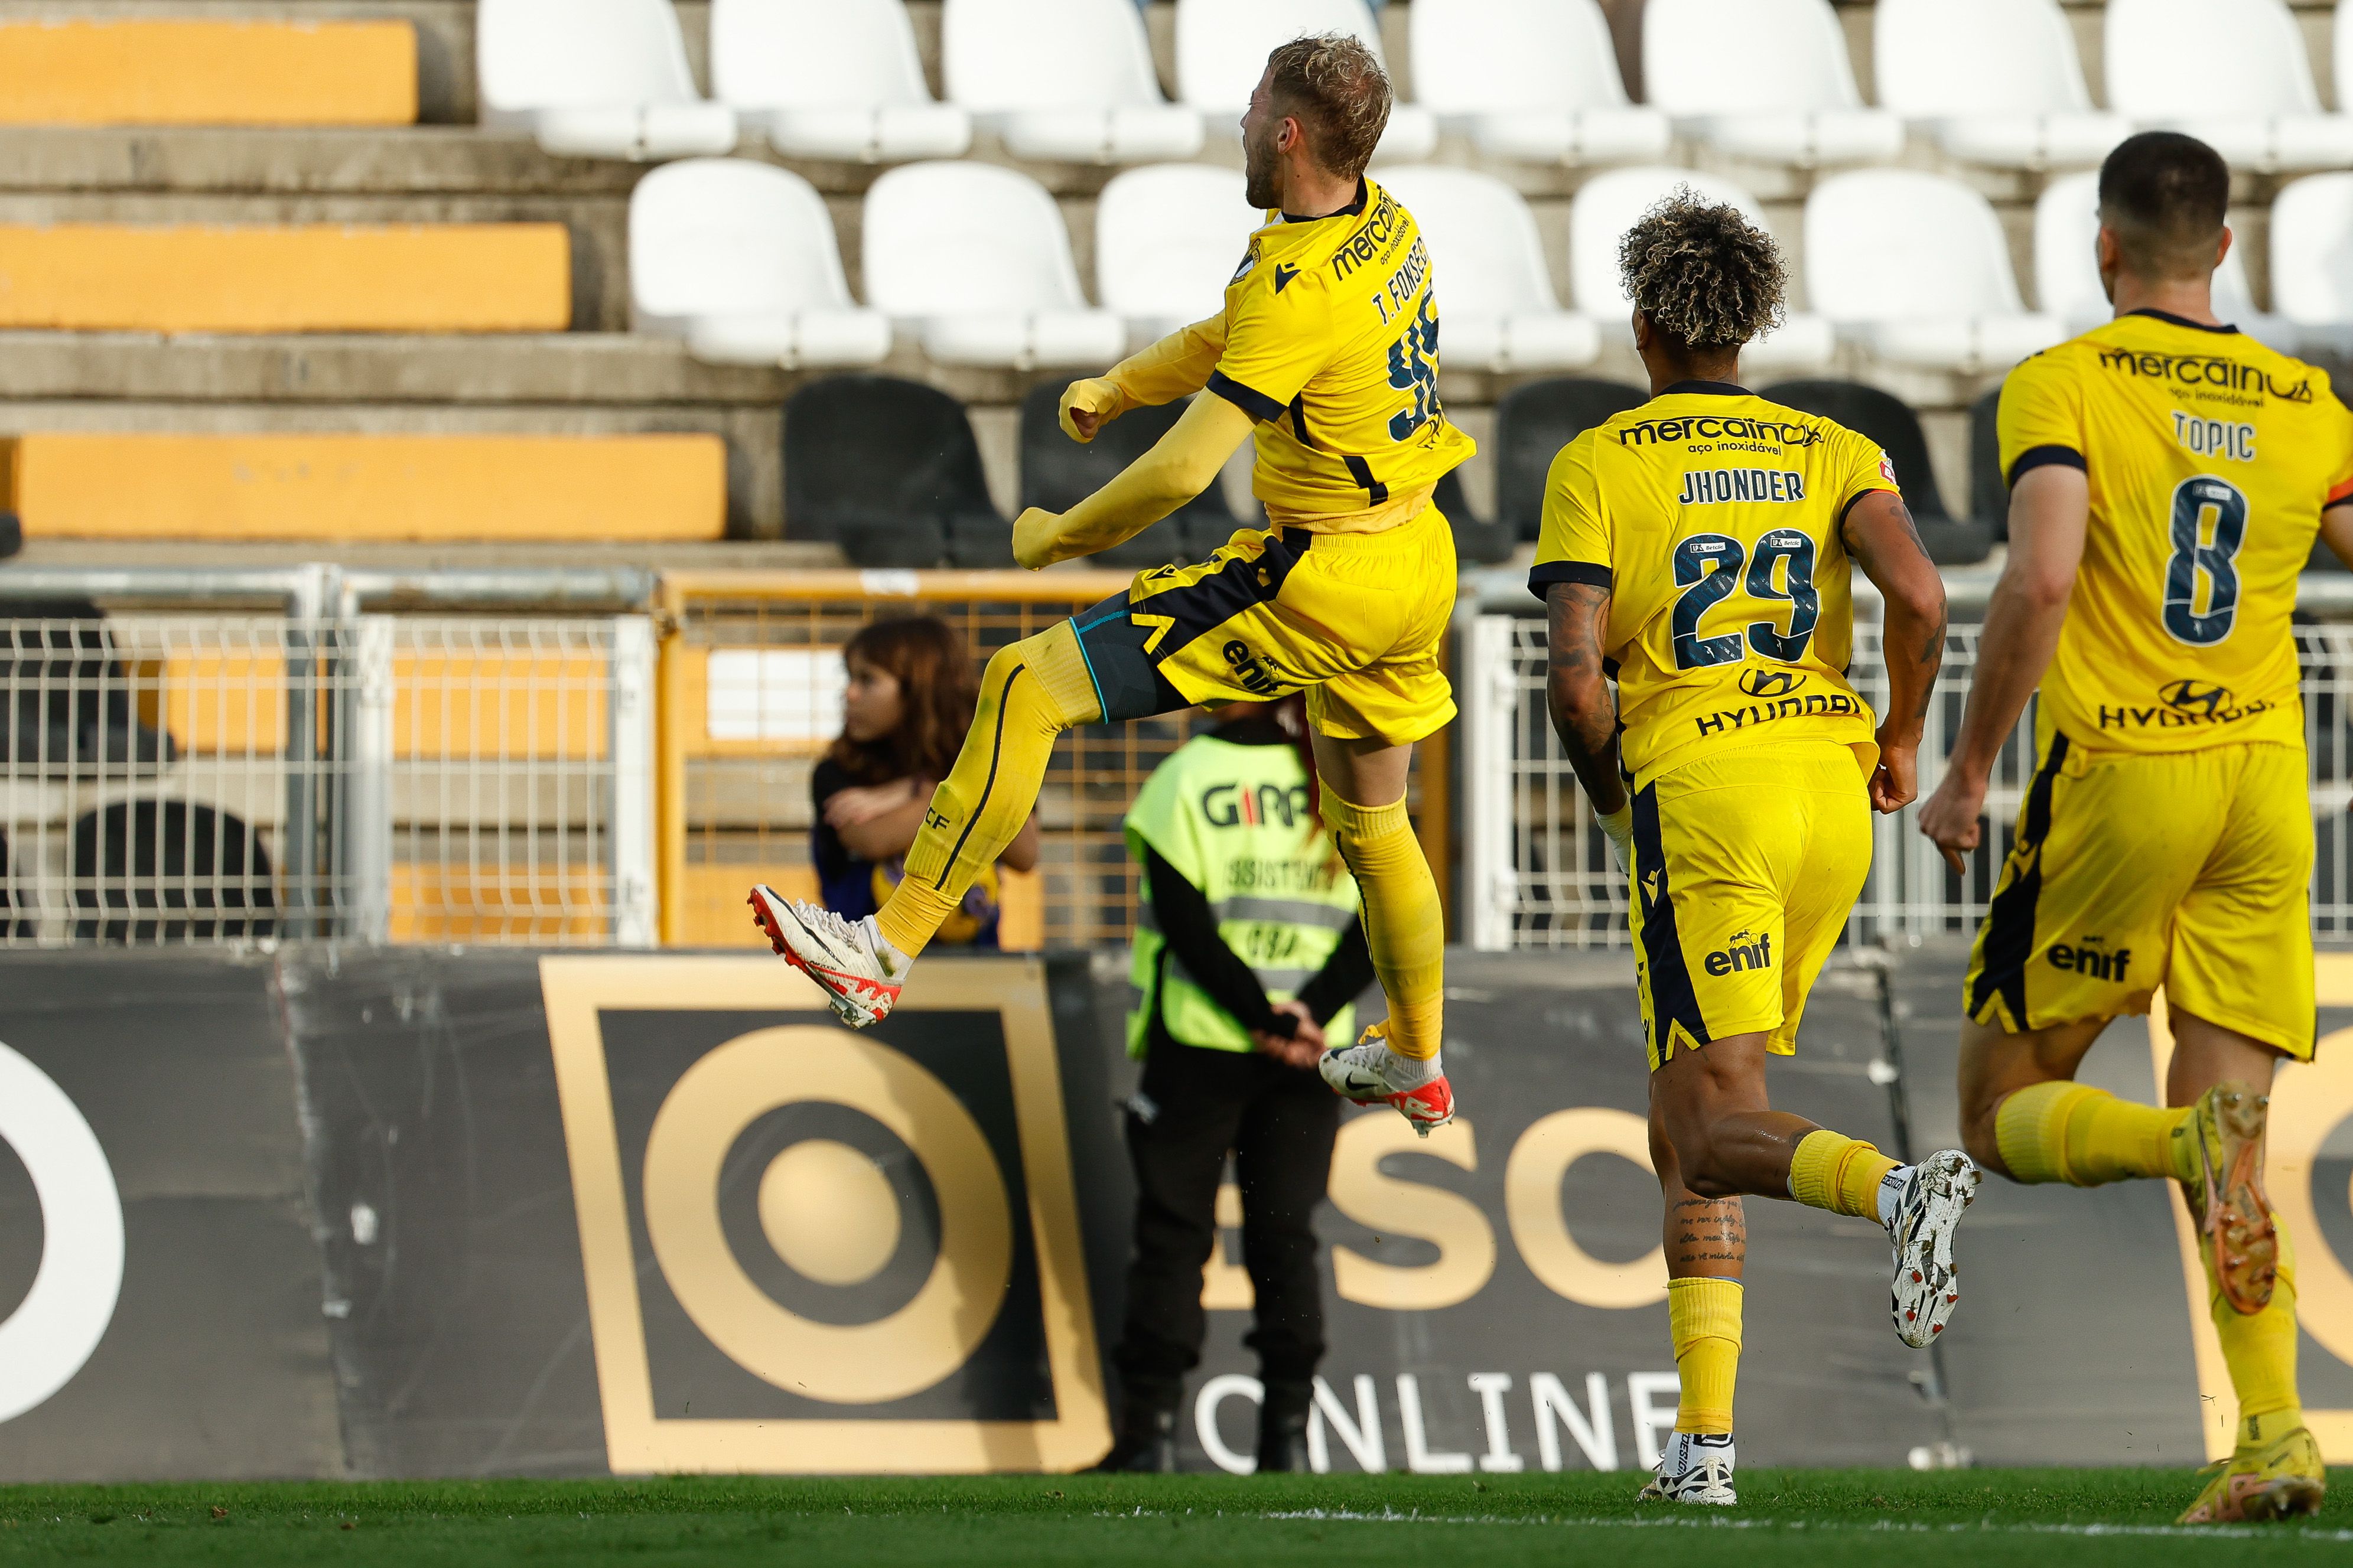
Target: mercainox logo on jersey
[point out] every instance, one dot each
(1717, 427)
(2204, 370)
(1235, 805)
(1746, 949)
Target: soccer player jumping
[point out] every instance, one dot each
(1327, 350)
(2167, 476)
(1701, 548)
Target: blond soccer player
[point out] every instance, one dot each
(1326, 353)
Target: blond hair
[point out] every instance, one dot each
(1705, 276)
(1332, 84)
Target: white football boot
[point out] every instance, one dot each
(860, 973)
(1369, 1073)
(1694, 1466)
(1927, 1280)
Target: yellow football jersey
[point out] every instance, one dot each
(1711, 515)
(1331, 343)
(2210, 458)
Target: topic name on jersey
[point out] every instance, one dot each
(1361, 248)
(1715, 427)
(2203, 370)
(1836, 705)
(2207, 438)
(1709, 487)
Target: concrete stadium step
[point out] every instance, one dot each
(206, 71)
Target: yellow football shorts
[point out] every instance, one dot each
(2186, 869)
(1747, 864)
(1356, 620)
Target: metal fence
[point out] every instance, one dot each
(1537, 873)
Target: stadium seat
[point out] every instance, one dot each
(738, 258)
(1988, 488)
(889, 470)
(71, 709)
(1530, 82)
(1993, 82)
(594, 78)
(1606, 208)
(1495, 299)
(174, 855)
(1884, 418)
(2067, 268)
(976, 258)
(1533, 423)
(2230, 72)
(1477, 542)
(1914, 267)
(1058, 473)
(190, 71)
(1767, 79)
(1168, 238)
(1063, 79)
(2312, 259)
(831, 78)
(1221, 49)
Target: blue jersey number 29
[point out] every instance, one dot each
(1707, 569)
(2203, 503)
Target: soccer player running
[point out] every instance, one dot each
(1700, 549)
(1326, 349)
(2167, 476)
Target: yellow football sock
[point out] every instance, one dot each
(1830, 1170)
(1405, 926)
(1031, 691)
(2071, 1132)
(1704, 1315)
(2260, 1351)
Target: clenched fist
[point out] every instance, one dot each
(1089, 405)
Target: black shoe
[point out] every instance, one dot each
(1146, 1444)
(1282, 1428)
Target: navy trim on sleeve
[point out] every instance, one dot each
(2042, 457)
(1592, 573)
(1257, 405)
(1873, 491)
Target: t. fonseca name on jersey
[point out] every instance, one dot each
(1716, 427)
(1706, 486)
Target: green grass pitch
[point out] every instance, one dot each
(1816, 1518)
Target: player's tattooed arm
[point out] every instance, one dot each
(1584, 714)
(1880, 536)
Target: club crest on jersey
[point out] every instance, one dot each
(1770, 682)
(1886, 468)
(1250, 259)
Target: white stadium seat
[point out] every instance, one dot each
(976, 258)
(2232, 72)
(1221, 49)
(594, 78)
(2312, 259)
(1992, 81)
(738, 258)
(1767, 79)
(1496, 309)
(831, 78)
(1913, 267)
(1063, 79)
(1606, 208)
(1531, 81)
(1168, 238)
(2067, 268)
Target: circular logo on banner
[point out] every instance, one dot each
(825, 1217)
(54, 1330)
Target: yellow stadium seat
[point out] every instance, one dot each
(193, 71)
(292, 278)
(391, 487)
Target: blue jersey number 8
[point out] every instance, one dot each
(2195, 500)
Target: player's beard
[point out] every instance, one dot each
(1261, 175)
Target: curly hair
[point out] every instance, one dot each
(938, 691)
(1704, 276)
(1336, 87)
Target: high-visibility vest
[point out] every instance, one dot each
(1233, 820)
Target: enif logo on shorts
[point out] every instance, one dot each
(51, 1334)
(809, 1249)
(1770, 682)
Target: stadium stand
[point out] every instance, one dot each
(2312, 259)
(1914, 268)
(2067, 272)
(977, 260)
(831, 78)
(1478, 541)
(1766, 80)
(1499, 312)
(1533, 423)
(1063, 79)
(889, 470)
(1607, 205)
(1530, 82)
(1221, 49)
(1886, 419)
(595, 78)
(1994, 81)
(197, 70)
(1988, 488)
(1167, 240)
(1057, 473)
(191, 856)
(739, 258)
(2232, 72)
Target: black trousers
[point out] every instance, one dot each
(1279, 1122)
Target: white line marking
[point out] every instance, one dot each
(1682, 1522)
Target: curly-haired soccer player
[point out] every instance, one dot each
(1327, 350)
(1701, 548)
